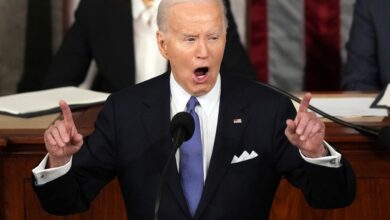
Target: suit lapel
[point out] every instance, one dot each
(228, 133)
(156, 119)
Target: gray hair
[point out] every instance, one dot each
(162, 15)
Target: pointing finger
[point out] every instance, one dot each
(67, 114)
(305, 103)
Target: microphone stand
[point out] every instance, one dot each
(176, 144)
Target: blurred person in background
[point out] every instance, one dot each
(120, 35)
(368, 62)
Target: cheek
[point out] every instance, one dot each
(218, 51)
(180, 54)
(221, 50)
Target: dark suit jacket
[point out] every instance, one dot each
(104, 31)
(132, 141)
(368, 63)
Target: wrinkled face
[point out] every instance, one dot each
(194, 43)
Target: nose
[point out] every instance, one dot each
(202, 49)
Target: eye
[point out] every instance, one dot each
(213, 38)
(189, 39)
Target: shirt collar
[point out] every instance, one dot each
(207, 101)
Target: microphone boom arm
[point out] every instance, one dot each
(364, 130)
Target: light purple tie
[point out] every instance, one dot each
(191, 162)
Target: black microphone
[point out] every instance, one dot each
(382, 134)
(182, 128)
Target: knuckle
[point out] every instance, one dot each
(57, 123)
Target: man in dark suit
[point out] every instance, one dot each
(104, 30)
(368, 65)
(248, 138)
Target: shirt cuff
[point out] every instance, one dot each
(333, 160)
(43, 175)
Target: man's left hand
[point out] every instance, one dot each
(307, 132)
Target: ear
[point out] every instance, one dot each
(162, 44)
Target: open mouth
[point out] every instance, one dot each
(201, 71)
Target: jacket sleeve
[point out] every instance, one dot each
(93, 166)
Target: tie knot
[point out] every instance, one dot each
(192, 103)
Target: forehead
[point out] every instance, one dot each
(190, 15)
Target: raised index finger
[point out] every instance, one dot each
(305, 103)
(67, 114)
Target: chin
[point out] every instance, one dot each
(201, 91)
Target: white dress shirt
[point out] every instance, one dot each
(208, 117)
(148, 60)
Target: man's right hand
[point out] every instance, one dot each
(62, 139)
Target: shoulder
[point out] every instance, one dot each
(150, 89)
(252, 90)
(99, 8)
(257, 100)
(89, 9)
(373, 7)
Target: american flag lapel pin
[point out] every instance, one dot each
(237, 121)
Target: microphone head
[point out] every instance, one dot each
(384, 137)
(185, 122)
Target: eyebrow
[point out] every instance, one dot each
(190, 35)
(197, 35)
(215, 33)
